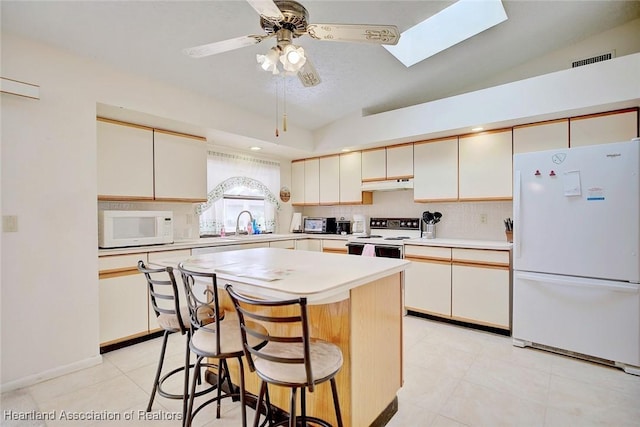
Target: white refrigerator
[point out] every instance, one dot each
(576, 242)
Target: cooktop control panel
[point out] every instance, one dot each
(394, 223)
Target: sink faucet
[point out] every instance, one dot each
(238, 221)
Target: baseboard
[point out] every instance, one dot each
(51, 373)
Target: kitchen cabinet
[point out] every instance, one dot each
(334, 246)
(485, 162)
(297, 183)
(374, 164)
(123, 299)
(312, 181)
(329, 180)
(314, 245)
(603, 128)
(283, 244)
(140, 163)
(351, 180)
(394, 162)
(428, 281)
(542, 136)
(180, 167)
(125, 161)
(400, 161)
(480, 287)
(436, 170)
(225, 248)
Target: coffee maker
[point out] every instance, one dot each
(359, 227)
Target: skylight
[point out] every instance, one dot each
(460, 21)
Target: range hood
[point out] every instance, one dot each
(388, 185)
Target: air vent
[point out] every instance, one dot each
(594, 59)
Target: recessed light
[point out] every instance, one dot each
(346, 150)
(478, 129)
(256, 148)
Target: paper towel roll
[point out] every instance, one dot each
(296, 222)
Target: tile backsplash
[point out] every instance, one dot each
(460, 220)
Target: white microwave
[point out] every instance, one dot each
(118, 229)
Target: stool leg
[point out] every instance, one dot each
(292, 406)
(303, 405)
(242, 393)
(158, 371)
(192, 394)
(185, 393)
(336, 402)
(256, 418)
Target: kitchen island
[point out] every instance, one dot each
(354, 302)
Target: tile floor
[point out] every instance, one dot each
(453, 377)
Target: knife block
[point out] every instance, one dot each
(509, 236)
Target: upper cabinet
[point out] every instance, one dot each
(138, 163)
(125, 161)
(180, 167)
(297, 182)
(436, 170)
(351, 180)
(400, 161)
(541, 136)
(374, 164)
(330, 180)
(394, 162)
(614, 126)
(485, 166)
(312, 181)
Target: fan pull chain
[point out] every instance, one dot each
(284, 116)
(277, 132)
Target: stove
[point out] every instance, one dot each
(387, 235)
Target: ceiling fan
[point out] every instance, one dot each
(286, 20)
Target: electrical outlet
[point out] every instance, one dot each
(9, 223)
(483, 218)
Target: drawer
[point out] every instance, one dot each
(155, 256)
(120, 262)
(427, 252)
(340, 245)
(283, 244)
(481, 256)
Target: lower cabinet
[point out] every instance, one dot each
(428, 281)
(469, 285)
(334, 246)
(480, 287)
(283, 244)
(123, 299)
(309, 245)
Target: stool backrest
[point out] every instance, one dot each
(290, 326)
(202, 301)
(163, 291)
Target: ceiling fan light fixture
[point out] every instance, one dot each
(292, 58)
(269, 62)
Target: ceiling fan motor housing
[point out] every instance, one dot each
(295, 19)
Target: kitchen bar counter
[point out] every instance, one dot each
(355, 302)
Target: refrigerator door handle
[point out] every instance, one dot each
(517, 214)
(579, 282)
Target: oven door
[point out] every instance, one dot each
(383, 251)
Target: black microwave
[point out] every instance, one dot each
(320, 225)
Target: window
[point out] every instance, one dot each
(229, 193)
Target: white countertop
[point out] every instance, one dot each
(502, 245)
(283, 273)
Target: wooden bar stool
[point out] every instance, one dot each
(171, 318)
(217, 339)
(294, 359)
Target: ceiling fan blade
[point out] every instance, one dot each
(267, 9)
(359, 33)
(223, 46)
(308, 74)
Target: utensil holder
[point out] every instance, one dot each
(509, 236)
(429, 231)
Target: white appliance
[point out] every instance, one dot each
(387, 237)
(359, 227)
(575, 256)
(118, 229)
